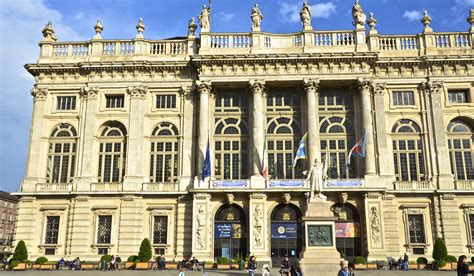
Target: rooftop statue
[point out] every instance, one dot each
(256, 17)
(205, 18)
(305, 15)
(358, 15)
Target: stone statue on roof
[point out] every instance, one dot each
(205, 19)
(358, 15)
(256, 17)
(305, 15)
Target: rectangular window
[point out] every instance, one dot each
(165, 101)
(416, 229)
(401, 98)
(104, 229)
(160, 229)
(102, 251)
(66, 103)
(471, 222)
(458, 96)
(52, 230)
(114, 101)
(49, 251)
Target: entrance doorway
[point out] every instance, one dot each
(348, 241)
(230, 232)
(286, 234)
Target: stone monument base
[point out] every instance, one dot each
(321, 262)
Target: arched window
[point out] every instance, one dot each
(286, 233)
(112, 152)
(62, 154)
(164, 153)
(348, 241)
(408, 156)
(337, 138)
(231, 148)
(230, 232)
(283, 135)
(461, 151)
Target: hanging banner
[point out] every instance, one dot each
(227, 231)
(281, 230)
(347, 230)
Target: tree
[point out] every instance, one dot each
(21, 253)
(145, 251)
(440, 252)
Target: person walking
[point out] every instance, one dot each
(162, 262)
(405, 262)
(463, 266)
(265, 270)
(285, 267)
(251, 267)
(343, 271)
(112, 263)
(118, 262)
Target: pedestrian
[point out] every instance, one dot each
(112, 263)
(351, 271)
(194, 263)
(251, 267)
(400, 264)
(154, 264)
(285, 267)
(463, 266)
(405, 262)
(181, 272)
(118, 261)
(162, 262)
(343, 271)
(265, 270)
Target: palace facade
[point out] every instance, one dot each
(120, 131)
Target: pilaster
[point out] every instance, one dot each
(204, 90)
(451, 224)
(311, 88)
(187, 158)
(258, 89)
(131, 228)
(258, 218)
(374, 226)
(202, 223)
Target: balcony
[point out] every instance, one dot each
(106, 187)
(160, 187)
(53, 187)
(413, 185)
(464, 184)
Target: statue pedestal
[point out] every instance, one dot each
(320, 256)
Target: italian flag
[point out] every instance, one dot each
(264, 159)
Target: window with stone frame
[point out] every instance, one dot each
(231, 146)
(164, 154)
(471, 227)
(458, 96)
(160, 229)
(340, 101)
(403, 98)
(408, 157)
(104, 229)
(51, 234)
(114, 101)
(165, 101)
(461, 150)
(66, 103)
(62, 154)
(337, 138)
(112, 153)
(416, 228)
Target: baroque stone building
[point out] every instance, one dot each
(121, 128)
(7, 223)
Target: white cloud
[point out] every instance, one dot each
(79, 15)
(323, 10)
(412, 15)
(225, 17)
(291, 11)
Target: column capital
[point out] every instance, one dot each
(379, 88)
(88, 92)
(311, 85)
(39, 94)
(432, 87)
(365, 84)
(257, 87)
(137, 91)
(204, 87)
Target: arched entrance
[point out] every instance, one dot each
(230, 232)
(286, 234)
(348, 241)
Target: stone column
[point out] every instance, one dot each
(442, 170)
(202, 223)
(204, 90)
(259, 246)
(381, 130)
(311, 88)
(134, 176)
(33, 173)
(187, 156)
(87, 132)
(258, 132)
(365, 87)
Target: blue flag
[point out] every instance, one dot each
(206, 166)
(301, 152)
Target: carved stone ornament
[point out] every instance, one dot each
(140, 27)
(320, 235)
(230, 198)
(364, 84)
(375, 230)
(426, 19)
(191, 27)
(137, 91)
(48, 32)
(432, 87)
(204, 87)
(201, 228)
(358, 15)
(257, 226)
(257, 87)
(98, 28)
(205, 18)
(343, 197)
(311, 85)
(39, 93)
(470, 20)
(372, 21)
(88, 92)
(380, 88)
(305, 15)
(286, 198)
(256, 17)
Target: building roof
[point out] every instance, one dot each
(7, 196)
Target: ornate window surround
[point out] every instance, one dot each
(103, 101)
(165, 211)
(103, 211)
(54, 104)
(468, 210)
(47, 211)
(416, 209)
(416, 99)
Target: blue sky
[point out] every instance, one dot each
(21, 22)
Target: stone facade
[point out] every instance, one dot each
(145, 112)
(7, 223)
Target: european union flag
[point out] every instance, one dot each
(206, 166)
(301, 152)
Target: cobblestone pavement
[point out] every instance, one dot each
(210, 273)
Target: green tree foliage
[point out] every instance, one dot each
(145, 250)
(41, 260)
(440, 252)
(21, 253)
